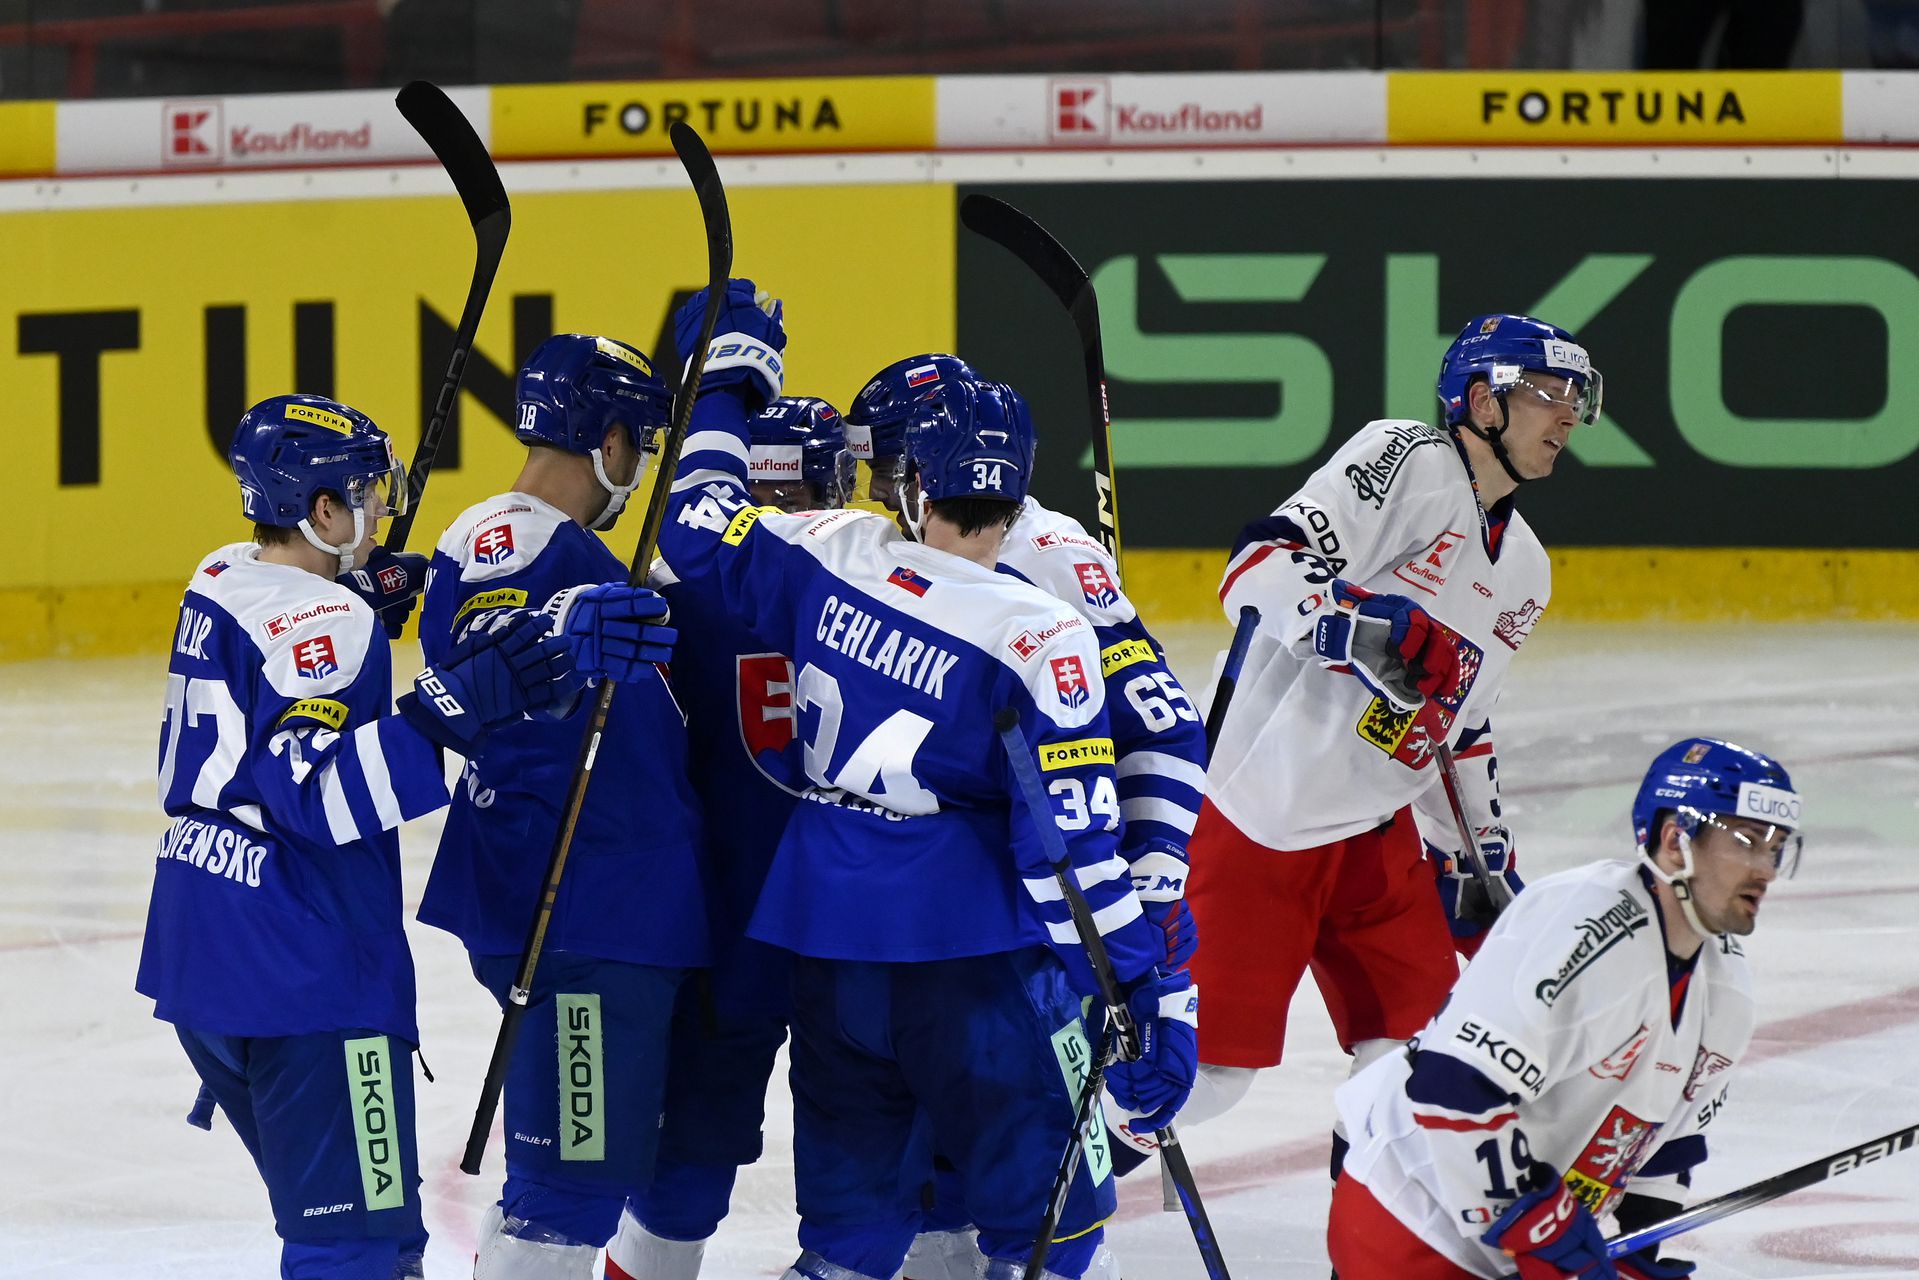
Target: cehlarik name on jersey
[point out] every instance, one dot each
(281, 624)
(216, 849)
(1489, 1042)
(1373, 479)
(886, 649)
(1597, 935)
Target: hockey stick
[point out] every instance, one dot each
(435, 118)
(1061, 273)
(719, 256)
(1116, 1026)
(1229, 676)
(1499, 894)
(1772, 1188)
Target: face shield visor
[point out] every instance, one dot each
(379, 494)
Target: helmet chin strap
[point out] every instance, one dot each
(617, 493)
(346, 549)
(913, 511)
(1496, 439)
(1680, 883)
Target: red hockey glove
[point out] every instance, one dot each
(1391, 644)
(1551, 1235)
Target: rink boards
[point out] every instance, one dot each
(1757, 320)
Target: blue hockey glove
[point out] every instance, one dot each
(501, 669)
(1550, 1234)
(1391, 644)
(749, 342)
(1159, 880)
(615, 631)
(391, 584)
(1640, 1266)
(1468, 911)
(1154, 1086)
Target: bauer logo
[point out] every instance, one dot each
(1080, 109)
(191, 134)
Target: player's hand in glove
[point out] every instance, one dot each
(1551, 1235)
(391, 584)
(1154, 1086)
(503, 668)
(1643, 1266)
(1390, 643)
(1469, 912)
(748, 351)
(615, 631)
(1159, 880)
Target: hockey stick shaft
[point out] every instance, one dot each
(465, 159)
(1119, 1019)
(1497, 891)
(1229, 676)
(1806, 1175)
(1066, 280)
(719, 251)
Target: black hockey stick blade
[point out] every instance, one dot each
(718, 225)
(1173, 1159)
(1067, 281)
(464, 157)
(445, 128)
(1814, 1171)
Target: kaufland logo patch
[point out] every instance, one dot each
(281, 623)
(314, 659)
(191, 133)
(1080, 109)
(1025, 644)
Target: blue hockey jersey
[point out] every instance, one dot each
(1158, 738)
(632, 889)
(276, 906)
(909, 842)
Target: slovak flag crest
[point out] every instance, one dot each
(1069, 677)
(314, 660)
(922, 375)
(906, 578)
(1097, 585)
(494, 545)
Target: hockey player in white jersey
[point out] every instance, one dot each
(1583, 1054)
(274, 939)
(1394, 589)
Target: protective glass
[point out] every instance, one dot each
(382, 493)
(1565, 393)
(1779, 845)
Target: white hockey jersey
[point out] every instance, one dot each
(1309, 756)
(1559, 1044)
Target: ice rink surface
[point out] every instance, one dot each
(99, 1177)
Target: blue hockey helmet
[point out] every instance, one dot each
(876, 421)
(1511, 353)
(800, 441)
(1703, 782)
(575, 387)
(975, 441)
(288, 450)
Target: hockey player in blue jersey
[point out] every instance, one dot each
(937, 977)
(630, 918)
(274, 939)
(739, 699)
(1158, 740)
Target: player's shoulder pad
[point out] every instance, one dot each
(310, 633)
(1053, 552)
(1392, 458)
(1590, 931)
(1054, 653)
(501, 536)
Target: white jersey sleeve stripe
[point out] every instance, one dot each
(379, 783)
(1046, 888)
(706, 475)
(1153, 809)
(714, 441)
(1160, 764)
(1117, 915)
(339, 814)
